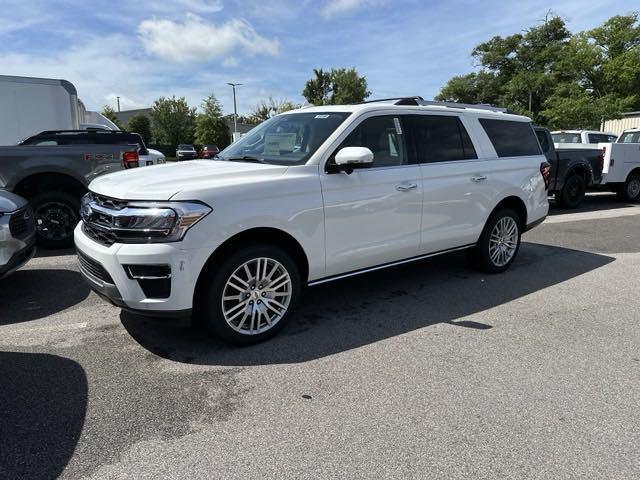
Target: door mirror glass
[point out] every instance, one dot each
(354, 157)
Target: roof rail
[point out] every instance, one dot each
(88, 130)
(400, 100)
(478, 106)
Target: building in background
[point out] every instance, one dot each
(617, 126)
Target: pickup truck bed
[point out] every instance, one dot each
(573, 170)
(53, 178)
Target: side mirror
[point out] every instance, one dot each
(349, 158)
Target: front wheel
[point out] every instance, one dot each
(249, 298)
(499, 243)
(630, 191)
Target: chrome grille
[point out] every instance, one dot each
(93, 268)
(103, 237)
(111, 203)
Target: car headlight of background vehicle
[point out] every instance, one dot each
(144, 222)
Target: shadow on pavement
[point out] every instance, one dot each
(592, 203)
(347, 314)
(31, 294)
(43, 400)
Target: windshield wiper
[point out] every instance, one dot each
(246, 158)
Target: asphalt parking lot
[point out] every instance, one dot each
(430, 370)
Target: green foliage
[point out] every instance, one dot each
(560, 79)
(173, 120)
(110, 113)
(270, 107)
(210, 125)
(142, 125)
(337, 87)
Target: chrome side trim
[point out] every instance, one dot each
(386, 265)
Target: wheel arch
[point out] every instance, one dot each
(515, 203)
(41, 182)
(254, 236)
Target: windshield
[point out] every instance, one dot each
(566, 138)
(285, 139)
(629, 137)
(185, 147)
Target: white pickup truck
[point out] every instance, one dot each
(307, 197)
(621, 170)
(562, 138)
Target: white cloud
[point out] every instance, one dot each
(196, 39)
(337, 7)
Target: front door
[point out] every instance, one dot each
(373, 215)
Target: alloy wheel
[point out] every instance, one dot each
(504, 241)
(256, 296)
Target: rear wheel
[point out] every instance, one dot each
(630, 191)
(572, 193)
(249, 298)
(56, 215)
(499, 243)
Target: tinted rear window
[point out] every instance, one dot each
(438, 138)
(511, 139)
(601, 138)
(566, 138)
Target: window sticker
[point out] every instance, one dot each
(396, 121)
(321, 116)
(278, 143)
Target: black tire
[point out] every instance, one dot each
(209, 310)
(572, 193)
(480, 255)
(56, 214)
(630, 191)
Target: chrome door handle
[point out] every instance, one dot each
(479, 178)
(405, 187)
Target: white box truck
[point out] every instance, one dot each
(29, 105)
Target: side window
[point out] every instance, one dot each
(383, 136)
(611, 139)
(543, 139)
(45, 143)
(511, 138)
(597, 138)
(439, 138)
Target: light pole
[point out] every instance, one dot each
(118, 99)
(235, 109)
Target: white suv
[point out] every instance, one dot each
(310, 196)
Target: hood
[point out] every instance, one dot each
(161, 182)
(10, 202)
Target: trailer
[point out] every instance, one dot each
(31, 105)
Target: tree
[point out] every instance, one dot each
(560, 79)
(210, 125)
(110, 114)
(141, 125)
(270, 107)
(173, 120)
(337, 87)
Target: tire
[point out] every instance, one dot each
(56, 215)
(259, 318)
(484, 256)
(630, 191)
(572, 193)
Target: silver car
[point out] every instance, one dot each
(17, 233)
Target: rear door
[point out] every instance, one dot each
(451, 177)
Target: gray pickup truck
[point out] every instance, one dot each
(572, 171)
(53, 178)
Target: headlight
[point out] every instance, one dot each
(143, 222)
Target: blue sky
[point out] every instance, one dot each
(143, 49)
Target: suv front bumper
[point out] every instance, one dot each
(16, 250)
(105, 268)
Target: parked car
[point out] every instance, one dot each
(572, 171)
(209, 151)
(630, 136)
(17, 233)
(98, 136)
(186, 152)
(561, 137)
(307, 197)
(54, 177)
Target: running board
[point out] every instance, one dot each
(387, 265)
